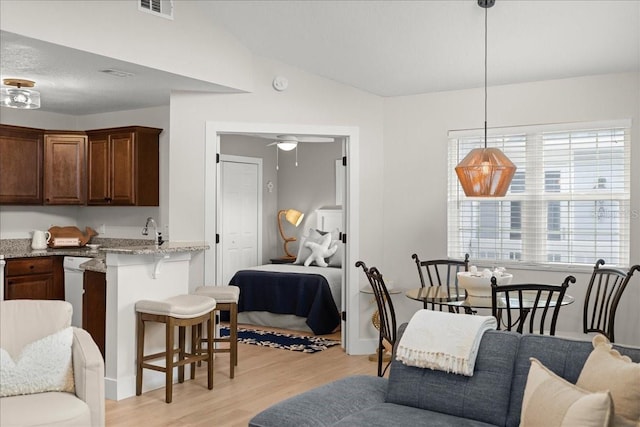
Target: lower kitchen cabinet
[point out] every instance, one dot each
(94, 306)
(34, 278)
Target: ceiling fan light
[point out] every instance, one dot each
(287, 145)
(485, 172)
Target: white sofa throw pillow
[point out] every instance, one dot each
(43, 365)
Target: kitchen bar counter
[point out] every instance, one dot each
(165, 248)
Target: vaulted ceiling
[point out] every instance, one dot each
(389, 48)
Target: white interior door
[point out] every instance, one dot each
(241, 213)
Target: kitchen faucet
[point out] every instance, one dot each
(145, 231)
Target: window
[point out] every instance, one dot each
(568, 202)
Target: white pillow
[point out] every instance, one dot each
(550, 400)
(607, 369)
(334, 260)
(43, 365)
(303, 251)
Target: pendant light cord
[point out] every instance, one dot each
(485, 77)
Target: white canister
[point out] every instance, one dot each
(40, 239)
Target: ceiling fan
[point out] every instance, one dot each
(289, 142)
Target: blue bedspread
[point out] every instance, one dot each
(305, 295)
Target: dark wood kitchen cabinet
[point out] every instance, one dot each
(21, 152)
(94, 306)
(34, 278)
(65, 168)
(123, 166)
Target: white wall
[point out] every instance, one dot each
(415, 163)
(309, 100)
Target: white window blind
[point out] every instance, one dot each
(568, 203)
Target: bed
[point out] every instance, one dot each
(290, 297)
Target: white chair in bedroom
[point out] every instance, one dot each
(226, 300)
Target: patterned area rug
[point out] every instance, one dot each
(304, 344)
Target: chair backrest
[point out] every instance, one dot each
(603, 295)
(533, 303)
(23, 321)
(386, 313)
(441, 272)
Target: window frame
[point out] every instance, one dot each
(532, 200)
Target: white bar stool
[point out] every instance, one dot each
(180, 311)
(227, 300)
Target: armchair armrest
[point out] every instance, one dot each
(88, 373)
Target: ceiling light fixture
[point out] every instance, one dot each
(19, 97)
(287, 143)
(485, 172)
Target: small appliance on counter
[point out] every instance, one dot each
(69, 237)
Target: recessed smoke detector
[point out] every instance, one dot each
(117, 73)
(163, 8)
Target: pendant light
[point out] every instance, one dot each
(485, 172)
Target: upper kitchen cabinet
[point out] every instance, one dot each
(64, 168)
(21, 151)
(123, 166)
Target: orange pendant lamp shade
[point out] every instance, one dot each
(485, 172)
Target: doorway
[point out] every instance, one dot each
(349, 136)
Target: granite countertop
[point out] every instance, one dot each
(21, 248)
(151, 249)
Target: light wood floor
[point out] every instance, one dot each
(263, 377)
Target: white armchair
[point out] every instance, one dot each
(25, 321)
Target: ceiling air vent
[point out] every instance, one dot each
(162, 8)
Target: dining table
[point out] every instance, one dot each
(458, 299)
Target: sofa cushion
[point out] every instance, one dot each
(483, 397)
(564, 357)
(553, 401)
(390, 414)
(49, 409)
(325, 405)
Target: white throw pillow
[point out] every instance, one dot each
(607, 369)
(334, 260)
(320, 251)
(43, 365)
(551, 401)
(303, 250)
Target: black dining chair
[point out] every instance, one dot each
(533, 301)
(386, 315)
(440, 272)
(603, 296)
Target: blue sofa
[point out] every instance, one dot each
(414, 396)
